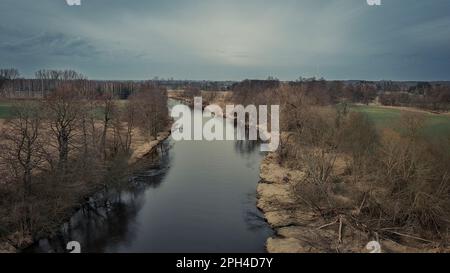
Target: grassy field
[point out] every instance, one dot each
(436, 125)
(5, 109)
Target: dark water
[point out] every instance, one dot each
(201, 199)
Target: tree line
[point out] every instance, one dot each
(45, 81)
(424, 95)
(61, 148)
(12, 85)
(394, 184)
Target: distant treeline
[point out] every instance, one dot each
(47, 81)
(433, 96)
(426, 95)
(12, 85)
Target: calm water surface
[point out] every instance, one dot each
(201, 199)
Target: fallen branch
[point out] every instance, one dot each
(327, 225)
(362, 203)
(409, 236)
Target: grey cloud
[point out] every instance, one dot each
(57, 44)
(403, 39)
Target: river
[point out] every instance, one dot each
(201, 198)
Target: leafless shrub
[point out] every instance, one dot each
(22, 142)
(412, 186)
(22, 147)
(393, 181)
(151, 104)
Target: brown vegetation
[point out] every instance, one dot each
(388, 185)
(59, 150)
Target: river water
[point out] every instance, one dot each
(202, 198)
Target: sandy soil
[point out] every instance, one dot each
(142, 147)
(297, 228)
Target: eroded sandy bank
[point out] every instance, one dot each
(297, 228)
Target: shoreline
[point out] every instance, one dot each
(298, 229)
(139, 154)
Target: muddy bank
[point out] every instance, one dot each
(141, 148)
(298, 229)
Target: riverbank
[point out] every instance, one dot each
(200, 199)
(298, 229)
(141, 148)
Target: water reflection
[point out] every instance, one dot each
(109, 217)
(199, 197)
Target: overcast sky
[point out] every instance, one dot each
(229, 39)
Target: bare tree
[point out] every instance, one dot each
(192, 91)
(151, 106)
(22, 148)
(63, 110)
(109, 108)
(124, 124)
(9, 74)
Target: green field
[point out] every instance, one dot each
(436, 125)
(5, 110)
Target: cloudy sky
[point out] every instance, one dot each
(229, 39)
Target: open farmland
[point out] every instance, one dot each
(436, 125)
